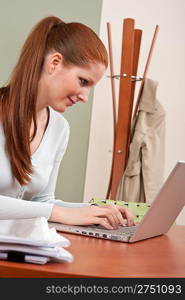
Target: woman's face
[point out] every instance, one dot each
(62, 86)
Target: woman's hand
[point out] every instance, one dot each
(110, 216)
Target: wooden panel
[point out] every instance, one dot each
(137, 44)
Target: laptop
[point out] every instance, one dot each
(158, 219)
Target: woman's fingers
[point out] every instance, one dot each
(127, 215)
(109, 213)
(120, 218)
(103, 222)
(115, 215)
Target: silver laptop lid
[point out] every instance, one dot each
(166, 206)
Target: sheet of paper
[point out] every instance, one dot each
(57, 253)
(33, 231)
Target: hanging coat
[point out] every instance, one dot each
(143, 175)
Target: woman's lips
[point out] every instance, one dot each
(71, 102)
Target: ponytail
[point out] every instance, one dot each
(18, 106)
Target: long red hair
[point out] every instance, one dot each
(78, 44)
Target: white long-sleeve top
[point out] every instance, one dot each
(37, 198)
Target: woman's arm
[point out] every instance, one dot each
(13, 208)
(82, 213)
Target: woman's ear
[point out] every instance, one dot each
(53, 62)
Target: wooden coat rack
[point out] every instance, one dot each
(131, 41)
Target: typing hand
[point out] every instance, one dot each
(110, 216)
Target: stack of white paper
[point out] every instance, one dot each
(31, 240)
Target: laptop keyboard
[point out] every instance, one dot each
(122, 230)
(123, 233)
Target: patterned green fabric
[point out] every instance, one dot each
(138, 209)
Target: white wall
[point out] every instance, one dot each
(167, 67)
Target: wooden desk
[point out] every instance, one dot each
(162, 256)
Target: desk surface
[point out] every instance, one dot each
(162, 256)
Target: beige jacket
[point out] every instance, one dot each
(143, 176)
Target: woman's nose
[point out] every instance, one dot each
(84, 94)
(83, 97)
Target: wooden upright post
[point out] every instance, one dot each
(124, 105)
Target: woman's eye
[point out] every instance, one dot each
(83, 82)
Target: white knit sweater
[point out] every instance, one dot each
(37, 198)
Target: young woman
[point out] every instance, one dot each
(58, 65)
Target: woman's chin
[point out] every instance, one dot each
(60, 109)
